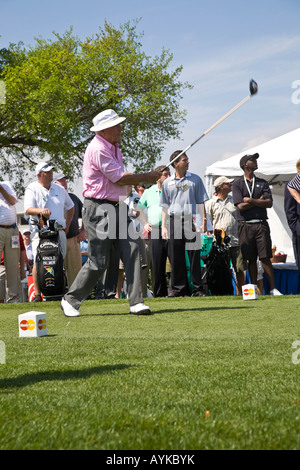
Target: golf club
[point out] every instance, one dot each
(253, 87)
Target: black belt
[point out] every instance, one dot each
(181, 216)
(8, 226)
(103, 201)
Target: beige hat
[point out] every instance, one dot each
(221, 180)
(106, 119)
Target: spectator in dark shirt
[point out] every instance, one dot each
(292, 212)
(73, 258)
(252, 197)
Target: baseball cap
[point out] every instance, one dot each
(43, 166)
(222, 180)
(247, 157)
(58, 176)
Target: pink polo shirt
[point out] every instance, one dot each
(102, 167)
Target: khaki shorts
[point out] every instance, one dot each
(238, 263)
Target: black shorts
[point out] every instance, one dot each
(255, 240)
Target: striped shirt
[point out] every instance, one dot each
(295, 183)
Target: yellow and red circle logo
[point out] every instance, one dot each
(42, 324)
(248, 291)
(27, 325)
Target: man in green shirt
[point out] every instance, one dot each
(158, 246)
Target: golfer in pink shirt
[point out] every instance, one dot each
(104, 187)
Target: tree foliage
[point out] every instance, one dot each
(56, 87)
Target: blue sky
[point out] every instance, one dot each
(221, 46)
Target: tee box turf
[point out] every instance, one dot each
(32, 324)
(250, 292)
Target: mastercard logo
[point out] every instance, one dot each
(27, 325)
(30, 324)
(249, 291)
(42, 324)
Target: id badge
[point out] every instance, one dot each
(15, 241)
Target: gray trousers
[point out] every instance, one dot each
(106, 225)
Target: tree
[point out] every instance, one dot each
(56, 87)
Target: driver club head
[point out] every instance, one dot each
(253, 87)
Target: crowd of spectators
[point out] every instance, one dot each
(166, 213)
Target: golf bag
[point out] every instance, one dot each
(216, 272)
(50, 264)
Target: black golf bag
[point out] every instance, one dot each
(216, 272)
(50, 264)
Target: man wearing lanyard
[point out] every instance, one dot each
(182, 198)
(252, 197)
(105, 217)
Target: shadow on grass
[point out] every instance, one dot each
(31, 379)
(165, 310)
(196, 309)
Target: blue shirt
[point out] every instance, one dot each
(181, 195)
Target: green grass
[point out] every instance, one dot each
(114, 381)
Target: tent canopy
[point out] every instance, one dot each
(276, 163)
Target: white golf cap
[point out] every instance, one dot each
(58, 176)
(222, 180)
(43, 166)
(106, 119)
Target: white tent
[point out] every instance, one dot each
(277, 164)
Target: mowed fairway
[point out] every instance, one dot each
(201, 373)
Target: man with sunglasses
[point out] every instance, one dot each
(73, 259)
(222, 213)
(44, 198)
(252, 197)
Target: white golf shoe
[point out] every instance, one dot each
(140, 309)
(68, 310)
(275, 292)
